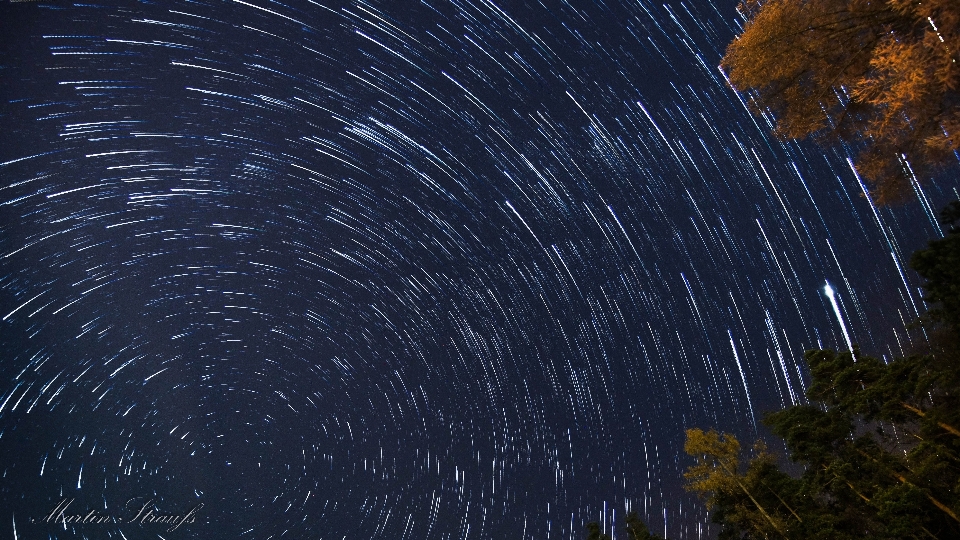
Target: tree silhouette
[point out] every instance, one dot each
(593, 532)
(637, 530)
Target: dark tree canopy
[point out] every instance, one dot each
(593, 532)
(880, 450)
(635, 529)
(880, 73)
(940, 265)
(879, 442)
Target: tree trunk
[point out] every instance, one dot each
(946, 509)
(922, 414)
(748, 494)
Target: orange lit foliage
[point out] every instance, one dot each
(885, 73)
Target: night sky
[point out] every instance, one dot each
(425, 270)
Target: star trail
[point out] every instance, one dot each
(427, 270)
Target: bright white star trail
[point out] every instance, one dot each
(831, 294)
(436, 270)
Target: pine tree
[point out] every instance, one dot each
(593, 532)
(879, 442)
(940, 265)
(637, 529)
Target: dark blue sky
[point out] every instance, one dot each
(400, 270)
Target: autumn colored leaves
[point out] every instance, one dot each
(881, 76)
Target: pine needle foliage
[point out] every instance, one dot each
(879, 442)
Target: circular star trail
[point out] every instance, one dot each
(436, 270)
